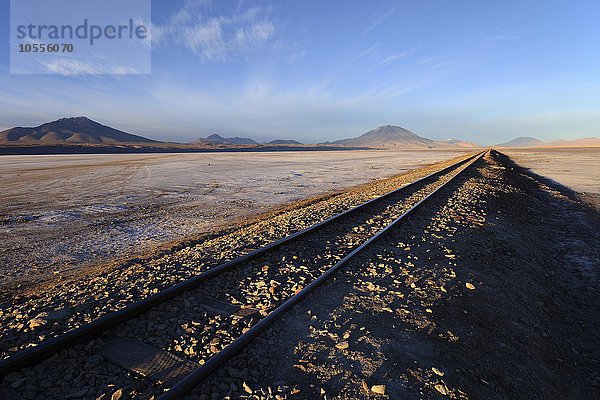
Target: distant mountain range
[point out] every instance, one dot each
(82, 131)
(528, 141)
(76, 130)
(395, 137)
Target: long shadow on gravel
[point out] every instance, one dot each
(488, 292)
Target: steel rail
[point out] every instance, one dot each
(216, 361)
(35, 354)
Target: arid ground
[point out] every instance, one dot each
(64, 212)
(489, 293)
(490, 290)
(576, 168)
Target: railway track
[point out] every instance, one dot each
(179, 336)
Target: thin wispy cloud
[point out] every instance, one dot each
(216, 38)
(377, 18)
(502, 37)
(65, 66)
(367, 52)
(395, 57)
(426, 60)
(255, 35)
(297, 55)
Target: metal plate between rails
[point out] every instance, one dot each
(150, 362)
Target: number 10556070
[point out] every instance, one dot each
(45, 48)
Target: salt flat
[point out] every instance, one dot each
(576, 168)
(69, 211)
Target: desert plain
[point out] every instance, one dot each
(414, 316)
(64, 212)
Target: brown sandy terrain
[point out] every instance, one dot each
(68, 211)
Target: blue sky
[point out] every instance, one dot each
(481, 70)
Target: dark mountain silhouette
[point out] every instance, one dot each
(284, 141)
(214, 138)
(75, 130)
